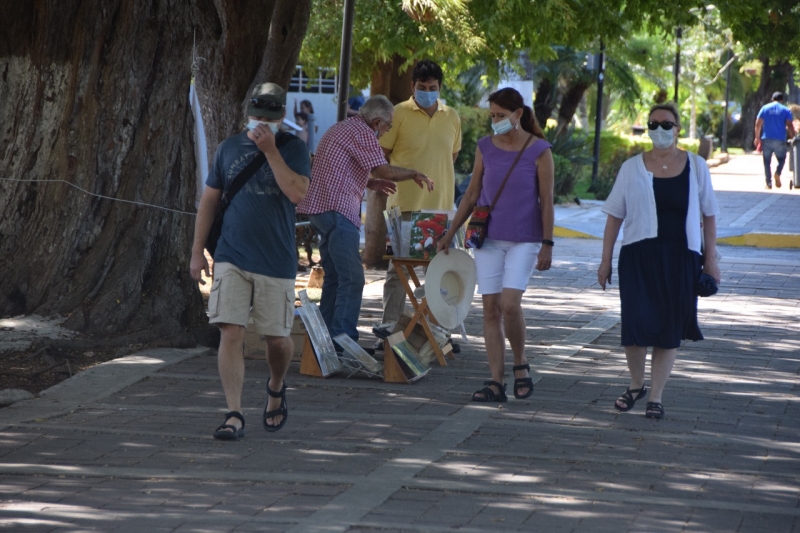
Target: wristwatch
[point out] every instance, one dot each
(548, 242)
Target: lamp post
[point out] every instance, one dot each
(679, 34)
(345, 59)
(727, 98)
(598, 119)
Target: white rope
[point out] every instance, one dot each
(195, 60)
(104, 197)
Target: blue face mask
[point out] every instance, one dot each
(426, 99)
(504, 126)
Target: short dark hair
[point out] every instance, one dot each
(425, 70)
(777, 96)
(302, 115)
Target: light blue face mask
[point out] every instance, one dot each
(426, 99)
(504, 126)
(273, 126)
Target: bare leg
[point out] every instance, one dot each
(636, 356)
(493, 336)
(230, 363)
(660, 369)
(514, 325)
(279, 355)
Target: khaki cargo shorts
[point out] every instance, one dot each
(234, 291)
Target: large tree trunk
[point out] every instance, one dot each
(95, 93)
(388, 80)
(569, 103)
(774, 77)
(545, 101)
(287, 30)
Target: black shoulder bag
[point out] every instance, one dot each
(234, 187)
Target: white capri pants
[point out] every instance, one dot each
(505, 265)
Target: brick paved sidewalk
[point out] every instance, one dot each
(127, 447)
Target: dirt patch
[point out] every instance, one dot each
(25, 364)
(37, 353)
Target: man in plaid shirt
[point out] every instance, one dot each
(346, 156)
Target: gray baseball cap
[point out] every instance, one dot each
(268, 100)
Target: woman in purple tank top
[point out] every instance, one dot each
(520, 235)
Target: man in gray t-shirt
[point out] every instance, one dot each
(255, 260)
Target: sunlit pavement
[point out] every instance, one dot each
(128, 447)
(750, 215)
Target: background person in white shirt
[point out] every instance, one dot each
(661, 196)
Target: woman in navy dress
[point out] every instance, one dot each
(665, 199)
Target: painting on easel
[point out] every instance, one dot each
(407, 357)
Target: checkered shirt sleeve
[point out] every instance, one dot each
(345, 156)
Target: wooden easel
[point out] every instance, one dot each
(309, 366)
(422, 313)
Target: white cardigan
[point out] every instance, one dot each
(632, 199)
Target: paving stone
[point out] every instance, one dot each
(563, 460)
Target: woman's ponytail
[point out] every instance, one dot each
(529, 122)
(510, 99)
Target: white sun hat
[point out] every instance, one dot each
(449, 286)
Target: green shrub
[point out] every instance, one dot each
(615, 149)
(475, 123)
(571, 159)
(566, 175)
(607, 170)
(571, 144)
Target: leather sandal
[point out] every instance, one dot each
(628, 399)
(523, 383)
(654, 410)
(489, 395)
(229, 431)
(281, 410)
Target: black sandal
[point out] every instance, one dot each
(223, 433)
(654, 410)
(628, 399)
(523, 383)
(282, 410)
(490, 395)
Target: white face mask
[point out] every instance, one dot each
(273, 126)
(504, 126)
(662, 139)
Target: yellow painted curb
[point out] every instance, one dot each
(559, 231)
(763, 240)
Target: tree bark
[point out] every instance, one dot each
(545, 102)
(774, 77)
(569, 104)
(95, 93)
(286, 33)
(388, 80)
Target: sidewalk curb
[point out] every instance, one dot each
(97, 382)
(561, 231)
(762, 240)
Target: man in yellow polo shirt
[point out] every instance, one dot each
(425, 136)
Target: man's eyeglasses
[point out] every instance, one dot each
(665, 125)
(388, 124)
(268, 105)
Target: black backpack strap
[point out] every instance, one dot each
(242, 177)
(281, 139)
